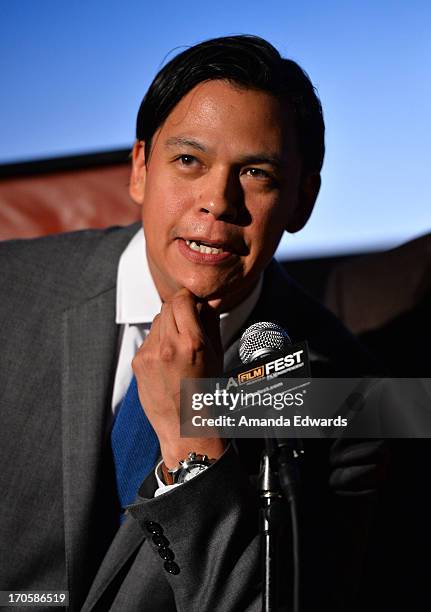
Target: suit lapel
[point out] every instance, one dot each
(126, 542)
(89, 338)
(89, 357)
(231, 357)
(91, 514)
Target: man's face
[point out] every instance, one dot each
(222, 183)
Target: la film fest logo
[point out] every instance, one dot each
(277, 392)
(278, 367)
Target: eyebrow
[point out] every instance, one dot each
(256, 158)
(176, 141)
(262, 158)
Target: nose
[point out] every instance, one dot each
(221, 196)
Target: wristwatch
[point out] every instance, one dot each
(190, 467)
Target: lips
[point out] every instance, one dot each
(198, 252)
(202, 247)
(206, 244)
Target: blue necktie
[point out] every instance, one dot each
(134, 444)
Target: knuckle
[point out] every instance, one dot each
(183, 296)
(155, 320)
(135, 364)
(179, 300)
(142, 358)
(183, 293)
(167, 352)
(193, 343)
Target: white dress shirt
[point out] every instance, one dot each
(138, 302)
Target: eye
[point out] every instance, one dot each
(186, 160)
(261, 178)
(258, 173)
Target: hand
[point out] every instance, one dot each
(184, 342)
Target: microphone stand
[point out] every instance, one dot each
(278, 477)
(269, 520)
(279, 474)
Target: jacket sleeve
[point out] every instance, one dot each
(211, 551)
(213, 543)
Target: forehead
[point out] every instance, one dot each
(232, 117)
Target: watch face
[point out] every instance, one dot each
(191, 472)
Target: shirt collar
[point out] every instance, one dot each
(138, 301)
(137, 298)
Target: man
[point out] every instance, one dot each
(228, 155)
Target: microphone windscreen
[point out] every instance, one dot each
(262, 339)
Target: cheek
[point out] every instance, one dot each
(269, 223)
(164, 203)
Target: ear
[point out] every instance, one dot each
(139, 172)
(308, 192)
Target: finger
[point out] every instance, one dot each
(169, 335)
(153, 337)
(168, 325)
(146, 353)
(186, 314)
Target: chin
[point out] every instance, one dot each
(204, 293)
(203, 288)
(219, 294)
(218, 299)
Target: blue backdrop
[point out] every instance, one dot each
(73, 74)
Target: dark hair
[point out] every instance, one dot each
(248, 61)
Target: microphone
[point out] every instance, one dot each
(278, 470)
(262, 340)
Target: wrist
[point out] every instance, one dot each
(175, 451)
(191, 466)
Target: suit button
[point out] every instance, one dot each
(154, 528)
(166, 554)
(160, 540)
(172, 568)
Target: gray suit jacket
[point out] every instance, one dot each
(58, 508)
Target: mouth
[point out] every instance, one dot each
(216, 245)
(205, 247)
(205, 250)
